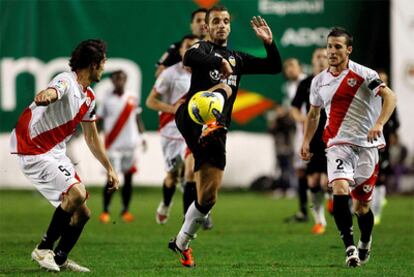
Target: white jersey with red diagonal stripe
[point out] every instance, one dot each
(351, 104)
(120, 125)
(172, 84)
(41, 129)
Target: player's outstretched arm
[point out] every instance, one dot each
(311, 124)
(272, 64)
(45, 97)
(95, 145)
(261, 29)
(388, 106)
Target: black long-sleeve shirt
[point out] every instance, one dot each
(171, 56)
(205, 59)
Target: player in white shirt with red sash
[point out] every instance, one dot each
(168, 93)
(122, 124)
(39, 140)
(352, 96)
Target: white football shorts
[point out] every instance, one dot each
(123, 161)
(174, 153)
(358, 165)
(52, 175)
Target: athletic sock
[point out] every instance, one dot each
(68, 240)
(107, 196)
(366, 224)
(195, 216)
(167, 194)
(126, 192)
(190, 195)
(317, 197)
(378, 199)
(303, 195)
(343, 218)
(59, 220)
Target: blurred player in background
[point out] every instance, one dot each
(172, 55)
(40, 138)
(316, 168)
(292, 71)
(355, 118)
(123, 130)
(385, 167)
(215, 68)
(169, 58)
(167, 94)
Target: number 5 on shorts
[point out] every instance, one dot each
(64, 170)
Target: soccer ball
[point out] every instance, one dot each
(205, 106)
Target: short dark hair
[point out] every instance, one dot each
(190, 36)
(88, 52)
(199, 10)
(215, 9)
(341, 32)
(117, 72)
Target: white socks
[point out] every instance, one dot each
(318, 209)
(192, 222)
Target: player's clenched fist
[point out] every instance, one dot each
(45, 97)
(305, 153)
(113, 181)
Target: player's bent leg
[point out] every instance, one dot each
(69, 238)
(74, 199)
(209, 180)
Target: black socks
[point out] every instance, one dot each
(167, 194)
(343, 218)
(60, 220)
(190, 195)
(366, 224)
(126, 191)
(303, 195)
(69, 238)
(203, 209)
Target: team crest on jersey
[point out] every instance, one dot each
(232, 61)
(366, 188)
(215, 75)
(88, 101)
(351, 82)
(61, 85)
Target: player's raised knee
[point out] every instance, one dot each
(223, 87)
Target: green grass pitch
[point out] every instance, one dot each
(249, 239)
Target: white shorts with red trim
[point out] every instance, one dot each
(174, 153)
(123, 161)
(358, 165)
(52, 175)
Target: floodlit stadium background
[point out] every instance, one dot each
(36, 38)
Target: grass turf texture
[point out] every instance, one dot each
(249, 239)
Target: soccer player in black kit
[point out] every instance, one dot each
(316, 169)
(215, 68)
